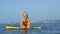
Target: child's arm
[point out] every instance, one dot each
(28, 24)
(21, 25)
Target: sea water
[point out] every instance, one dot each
(47, 28)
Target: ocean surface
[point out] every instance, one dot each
(47, 28)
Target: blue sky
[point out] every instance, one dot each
(11, 10)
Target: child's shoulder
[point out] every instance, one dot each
(28, 19)
(22, 19)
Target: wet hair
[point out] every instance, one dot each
(26, 14)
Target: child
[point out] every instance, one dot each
(25, 22)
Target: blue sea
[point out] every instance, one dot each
(47, 28)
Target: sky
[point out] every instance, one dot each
(12, 10)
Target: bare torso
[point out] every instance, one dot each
(25, 23)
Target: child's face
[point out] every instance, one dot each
(25, 15)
